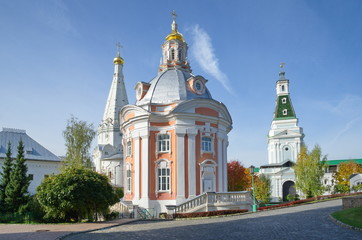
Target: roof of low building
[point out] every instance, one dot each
(336, 162)
(32, 149)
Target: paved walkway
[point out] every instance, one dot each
(309, 221)
(51, 231)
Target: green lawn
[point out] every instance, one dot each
(350, 216)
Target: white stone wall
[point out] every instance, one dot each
(39, 169)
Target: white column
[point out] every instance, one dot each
(226, 143)
(191, 162)
(180, 166)
(220, 164)
(137, 168)
(144, 166)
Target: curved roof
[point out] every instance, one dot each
(170, 86)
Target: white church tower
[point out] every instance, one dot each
(108, 155)
(284, 142)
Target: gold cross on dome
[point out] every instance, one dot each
(282, 65)
(174, 15)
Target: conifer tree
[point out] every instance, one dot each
(16, 192)
(5, 177)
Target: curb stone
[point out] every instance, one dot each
(344, 225)
(96, 229)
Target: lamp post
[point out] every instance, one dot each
(252, 185)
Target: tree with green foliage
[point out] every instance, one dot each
(16, 192)
(309, 171)
(5, 177)
(76, 193)
(78, 137)
(262, 188)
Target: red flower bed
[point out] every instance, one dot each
(208, 214)
(308, 200)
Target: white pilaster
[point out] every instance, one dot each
(191, 133)
(220, 163)
(145, 169)
(225, 177)
(137, 168)
(180, 165)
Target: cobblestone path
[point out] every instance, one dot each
(303, 222)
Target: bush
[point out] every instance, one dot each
(75, 194)
(209, 214)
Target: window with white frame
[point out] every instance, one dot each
(128, 179)
(129, 148)
(284, 100)
(285, 112)
(163, 177)
(206, 144)
(163, 143)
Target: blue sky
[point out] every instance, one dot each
(56, 60)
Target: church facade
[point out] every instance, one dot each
(174, 138)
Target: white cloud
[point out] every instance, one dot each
(203, 52)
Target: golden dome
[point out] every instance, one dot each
(118, 60)
(175, 35)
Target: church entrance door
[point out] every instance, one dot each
(288, 189)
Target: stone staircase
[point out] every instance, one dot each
(212, 201)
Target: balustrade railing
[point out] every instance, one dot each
(205, 199)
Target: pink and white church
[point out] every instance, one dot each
(171, 145)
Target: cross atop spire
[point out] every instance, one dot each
(119, 46)
(282, 73)
(282, 65)
(174, 15)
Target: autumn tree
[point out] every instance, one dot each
(341, 177)
(239, 178)
(78, 137)
(309, 171)
(262, 188)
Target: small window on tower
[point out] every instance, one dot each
(284, 100)
(285, 112)
(283, 88)
(172, 54)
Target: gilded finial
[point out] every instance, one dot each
(174, 33)
(282, 65)
(118, 59)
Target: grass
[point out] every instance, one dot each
(350, 216)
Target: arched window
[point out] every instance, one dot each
(179, 55)
(283, 88)
(172, 54)
(163, 143)
(163, 171)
